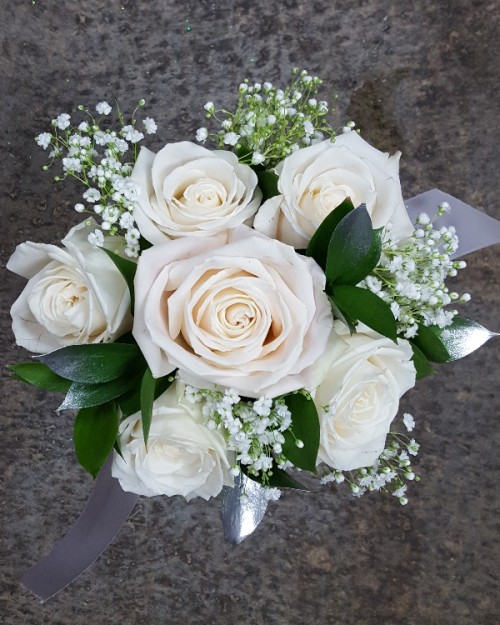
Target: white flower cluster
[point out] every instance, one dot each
(96, 157)
(411, 275)
(393, 467)
(270, 123)
(254, 429)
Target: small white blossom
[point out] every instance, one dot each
(103, 108)
(231, 138)
(399, 492)
(258, 158)
(150, 125)
(201, 135)
(72, 164)
(96, 238)
(79, 208)
(63, 121)
(413, 447)
(409, 421)
(44, 139)
(132, 134)
(92, 195)
(272, 494)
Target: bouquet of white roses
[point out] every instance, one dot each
(239, 312)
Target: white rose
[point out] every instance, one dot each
(186, 189)
(236, 309)
(74, 294)
(182, 457)
(359, 397)
(315, 180)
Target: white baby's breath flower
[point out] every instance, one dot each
(92, 195)
(258, 158)
(79, 208)
(150, 125)
(44, 139)
(409, 421)
(62, 121)
(201, 135)
(96, 238)
(103, 108)
(132, 134)
(231, 138)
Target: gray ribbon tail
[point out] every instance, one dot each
(475, 230)
(243, 508)
(107, 509)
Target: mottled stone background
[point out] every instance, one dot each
(421, 77)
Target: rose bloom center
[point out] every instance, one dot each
(231, 313)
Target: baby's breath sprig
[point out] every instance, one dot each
(97, 156)
(391, 472)
(254, 429)
(411, 275)
(270, 123)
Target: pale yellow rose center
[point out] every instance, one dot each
(202, 194)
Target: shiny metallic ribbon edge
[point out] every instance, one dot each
(108, 506)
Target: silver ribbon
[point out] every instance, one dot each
(109, 506)
(475, 230)
(106, 510)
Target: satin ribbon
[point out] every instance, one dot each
(109, 506)
(106, 510)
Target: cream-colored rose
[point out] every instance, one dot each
(315, 180)
(182, 457)
(74, 294)
(187, 190)
(359, 397)
(236, 309)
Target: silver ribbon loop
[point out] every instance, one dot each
(475, 230)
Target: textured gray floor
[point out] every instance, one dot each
(421, 77)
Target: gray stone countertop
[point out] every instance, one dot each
(420, 77)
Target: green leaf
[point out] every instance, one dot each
(343, 316)
(144, 244)
(268, 183)
(281, 479)
(422, 365)
(147, 398)
(40, 375)
(130, 402)
(95, 432)
(349, 246)
(89, 395)
(365, 306)
(305, 426)
(94, 364)
(318, 245)
(127, 268)
(430, 344)
(353, 275)
(455, 341)
(243, 152)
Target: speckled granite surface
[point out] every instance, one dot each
(419, 77)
